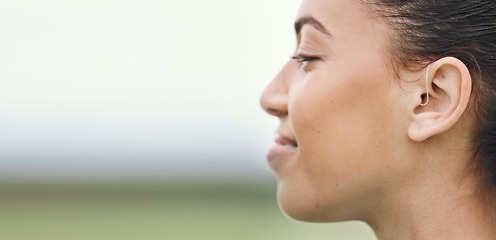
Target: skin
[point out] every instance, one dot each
(366, 149)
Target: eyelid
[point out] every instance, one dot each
(302, 58)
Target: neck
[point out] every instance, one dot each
(436, 202)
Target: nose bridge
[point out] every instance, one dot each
(274, 99)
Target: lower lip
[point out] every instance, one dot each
(279, 151)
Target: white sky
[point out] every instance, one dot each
(137, 87)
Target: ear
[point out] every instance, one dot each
(450, 85)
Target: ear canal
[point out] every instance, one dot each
(426, 86)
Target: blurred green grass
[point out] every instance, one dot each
(148, 210)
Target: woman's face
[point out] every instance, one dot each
(339, 108)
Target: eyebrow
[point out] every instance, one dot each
(310, 20)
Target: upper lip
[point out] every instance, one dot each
(283, 140)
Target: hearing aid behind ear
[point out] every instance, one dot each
(426, 86)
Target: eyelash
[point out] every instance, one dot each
(304, 59)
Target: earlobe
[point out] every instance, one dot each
(448, 87)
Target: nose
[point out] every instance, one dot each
(274, 99)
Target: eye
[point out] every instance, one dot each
(304, 59)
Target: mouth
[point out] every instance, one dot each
(284, 146)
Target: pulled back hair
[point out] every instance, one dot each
(427, 30)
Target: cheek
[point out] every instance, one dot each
(340, 123)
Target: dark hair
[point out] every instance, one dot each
(427, 30)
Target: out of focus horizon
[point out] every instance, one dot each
(139, 89)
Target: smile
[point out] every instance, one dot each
(284, 146)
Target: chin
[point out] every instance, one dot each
(302, 207)
(310, 205)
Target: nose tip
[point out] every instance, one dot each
(274, 100)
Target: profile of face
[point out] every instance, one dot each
(341, 120)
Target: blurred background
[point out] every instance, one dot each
(140, 120)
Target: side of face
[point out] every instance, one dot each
(343, 110)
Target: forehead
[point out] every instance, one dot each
(342, 14)
(353, 24)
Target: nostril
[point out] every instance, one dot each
(275, 112)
